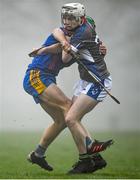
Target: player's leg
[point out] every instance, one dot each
(81, 106)
(53, 95)
(74, 98)
(84, 103)
(50, 133)
(96, 157)
(56, 127)
(44, 90)
(95, 93)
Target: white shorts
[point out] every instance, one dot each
(94, 90)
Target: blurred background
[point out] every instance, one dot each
(25, 24)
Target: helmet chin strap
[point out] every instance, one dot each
(83, 20)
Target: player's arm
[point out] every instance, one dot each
(61, 37)
(55, 48)
(64, 40)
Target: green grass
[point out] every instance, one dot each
(123, 157)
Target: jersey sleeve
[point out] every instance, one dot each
(49, 41)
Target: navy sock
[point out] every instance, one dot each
(89, 142)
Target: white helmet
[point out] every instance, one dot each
(73, 9)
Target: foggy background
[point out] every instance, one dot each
(25, 24)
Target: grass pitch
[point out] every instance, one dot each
(123, 157)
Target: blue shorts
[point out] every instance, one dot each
(94, 90)
(36, 81)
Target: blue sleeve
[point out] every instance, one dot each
(50, 40)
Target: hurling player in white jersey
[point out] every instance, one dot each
(87, 92)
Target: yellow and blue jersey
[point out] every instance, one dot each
(49, 63)
(43, 70)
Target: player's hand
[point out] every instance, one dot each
(103, 49)
(66, 46)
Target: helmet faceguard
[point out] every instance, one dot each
(73, 11)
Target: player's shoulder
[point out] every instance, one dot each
(91, 21)
(85, 29)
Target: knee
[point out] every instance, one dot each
(61, 124)
(70, 121)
